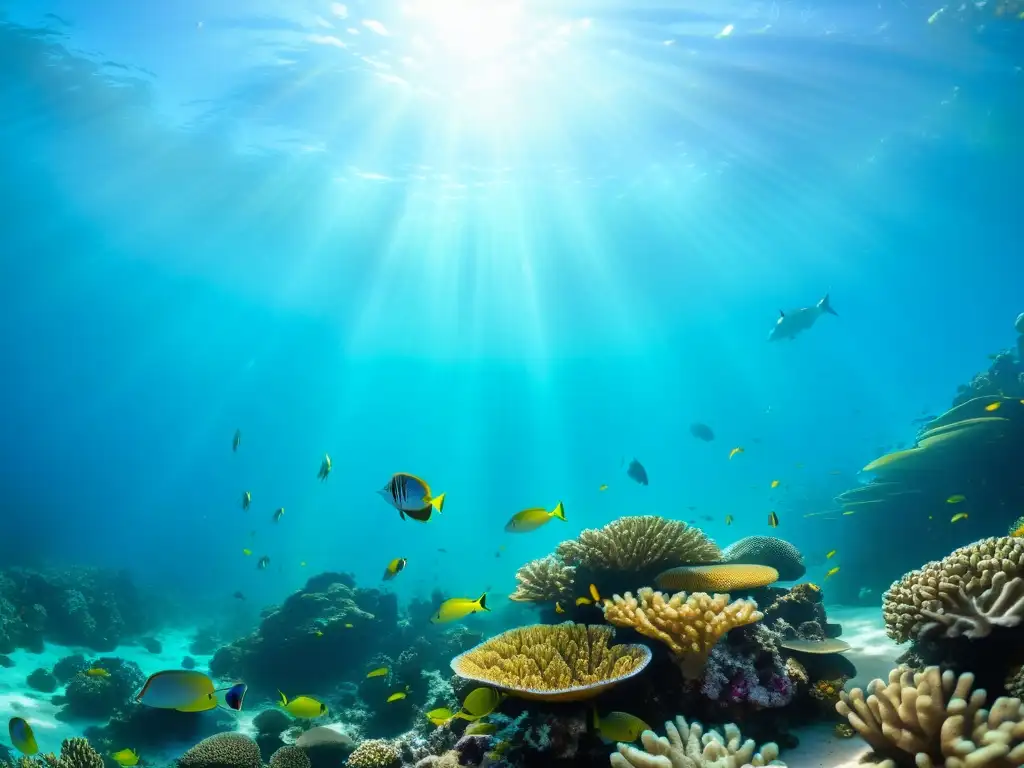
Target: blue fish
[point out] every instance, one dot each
(22, 737)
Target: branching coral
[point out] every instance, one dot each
(687, 746)
(563, 662)
(770, 551)
(545, 580)
(375, 753)
(970, 569)
(932, 718)
(225, 750)
(1001, 605)
(690, 625)
(638, 543)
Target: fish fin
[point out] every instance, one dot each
(781, 313)
(401, 514)
(824, 306)
(438, 503)
(559, 511)
(483, 601)
(284, 699)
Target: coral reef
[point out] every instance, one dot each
(101, 697)
(375, 753)
(74, 753)
(728, 577)
(767, 551)
(42, 680)
(686, 745)
(225, 750)
(290, 757)
(637, 544)
(690, 625)
(545, 580)
(912, 603)
(563, 662)
(933, 718)
(1001, 605)
(746, 667)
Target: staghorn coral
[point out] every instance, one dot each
(223, 750)
(770, 551)
(1001, 605)
(564, 662)
(727, 577)
(687, 746)
(690, 625)
(289, 757)
(638, 543)
(932, 718)
(545, 580)
(969, 569)
(374, 753)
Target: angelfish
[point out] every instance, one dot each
(791, 325)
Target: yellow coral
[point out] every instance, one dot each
(545, 580)
(690, 625)
(374, 753)
(565, 662)
(638, 543)
(725, 577)
(971, 568)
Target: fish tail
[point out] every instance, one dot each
(483, 602)
(438, 503)
(825, 306)
(284, 699)
(559, 512)
(597, 719)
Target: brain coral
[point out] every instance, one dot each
(638, 543)
(767, 550)
(545, 580)
(564, 662)
(289, 757)
(726, 577)
(907, 603)
(689, 625)
(224, 750)
(375, 753)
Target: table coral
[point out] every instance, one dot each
(690, 625)
(933, 718)
(686, 745)
(564, 662)
(907, 604)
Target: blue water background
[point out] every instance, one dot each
(175, 263)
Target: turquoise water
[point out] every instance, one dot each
(502, 246)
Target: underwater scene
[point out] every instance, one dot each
(436, 383)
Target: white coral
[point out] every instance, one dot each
(687, 746)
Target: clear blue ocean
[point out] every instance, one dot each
(507, 247)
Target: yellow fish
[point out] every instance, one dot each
(246, 501)
(956, 498)
(604, 486)
(831, 553)
(1019, 532)
(278, 514)
(773, 520)
(318, 633)
(959, 516)
(832, 572)
(734, 451)
(595, 594)
(379, 672)
(440, 716)
(394, 568)
(532, 519)
(96, 672)
(126, 758)
(325, 468)
(348, 626)
(481, 702)
(560, 609)
(246, 551)
(22, 737)
(619, 727)
(849, 511)
(584, 601)
(481, 729)
(412, 497)
(303, 707)
(456, 608)
(396, 697)
(993, 406)
(775, 483)
(728, 519)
